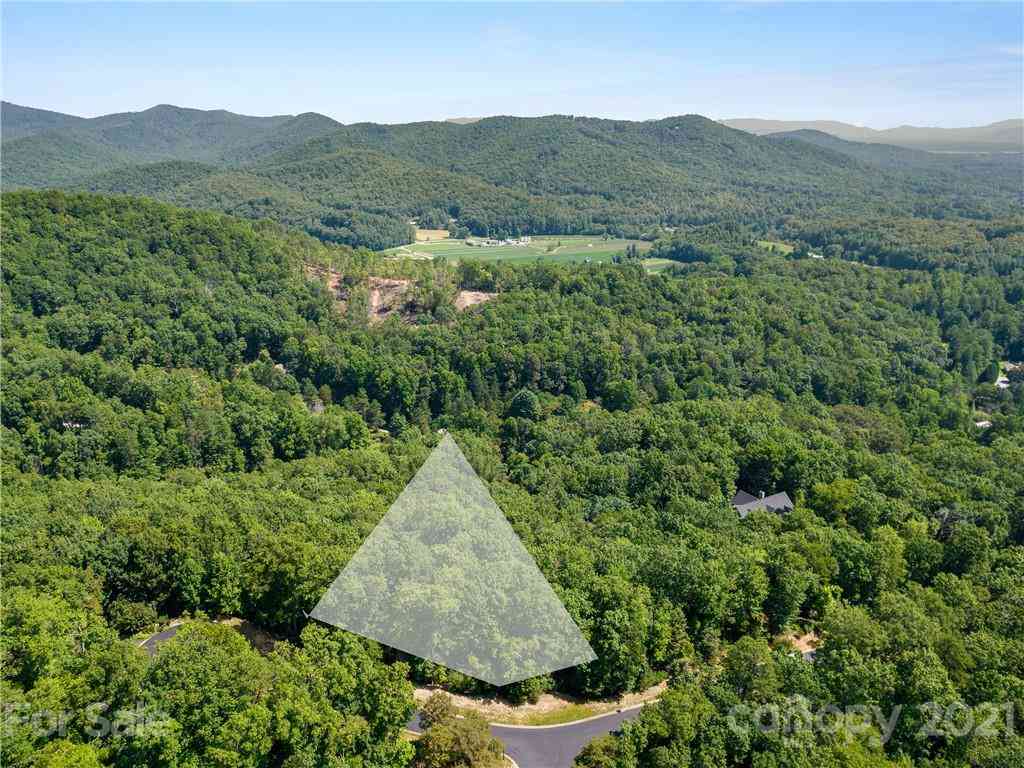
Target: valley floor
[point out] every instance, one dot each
(553, 248)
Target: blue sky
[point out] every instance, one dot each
(877, 64)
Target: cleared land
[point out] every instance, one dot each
(385, 296)
(774, 245)
(554, 248)
(658, 265)
(550, 709)
(430, 235)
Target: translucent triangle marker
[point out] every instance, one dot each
(444, 577)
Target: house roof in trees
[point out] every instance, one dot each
(742, 497)
(777, 502)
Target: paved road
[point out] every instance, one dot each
(149, 645)
(552, 746)
(557, 747)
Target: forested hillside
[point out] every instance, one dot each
(991, 248)
(165, 132)
(194, 426)
(361, 184)
(1001, 170)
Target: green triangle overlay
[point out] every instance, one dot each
(444, 577)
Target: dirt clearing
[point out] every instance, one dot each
(387, 297)
(467, 299)
(547, 707)
(430, 235)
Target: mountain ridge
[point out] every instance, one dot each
(167, 131)
(1003, 135)
(362, 183)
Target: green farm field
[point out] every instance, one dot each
(554, 248)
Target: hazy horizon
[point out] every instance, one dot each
(874, 65)
(474, 118)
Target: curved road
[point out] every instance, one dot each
(553, 746)
(557, 746)
(530, 746)
(149, 645)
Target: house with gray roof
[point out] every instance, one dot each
(744, 503)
